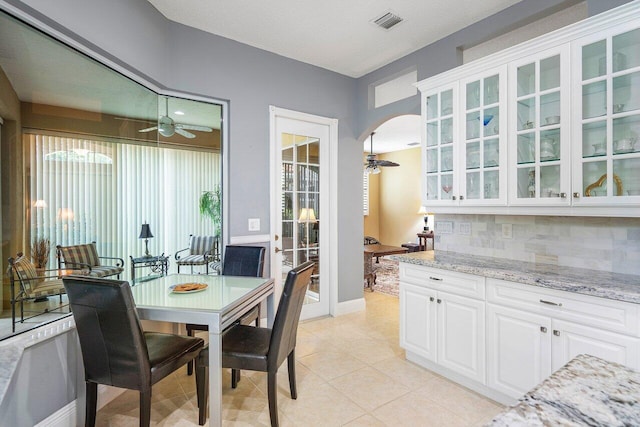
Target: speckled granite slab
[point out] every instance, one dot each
(587, 391)
(622, 287)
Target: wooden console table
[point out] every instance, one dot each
(423, 240)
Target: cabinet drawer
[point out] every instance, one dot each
(450, 281)
(617, 316)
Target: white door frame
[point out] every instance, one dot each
(328, 265)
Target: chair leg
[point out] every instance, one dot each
(91, 404)
(291, 364)
(273, 397)
(202, 391)
(235, 377)
(191, 333)
(145, 408)
(259, 316)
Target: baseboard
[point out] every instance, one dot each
(350, 306)
(63, 417)
(67, 415)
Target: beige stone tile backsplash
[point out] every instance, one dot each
(606, 244)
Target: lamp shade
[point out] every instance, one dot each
(423, 210)
(307, 215)
(40, 204)
(145, 232)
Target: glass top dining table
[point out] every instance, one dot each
(225, 300)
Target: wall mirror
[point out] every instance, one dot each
(89, 155)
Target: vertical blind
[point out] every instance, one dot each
(104, 191)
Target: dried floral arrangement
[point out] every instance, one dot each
(40, 249)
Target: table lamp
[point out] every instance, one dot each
(145, 233)
(423, 211)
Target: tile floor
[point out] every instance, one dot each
(350, 371)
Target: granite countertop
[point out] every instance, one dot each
(616, 286)
(586, 391)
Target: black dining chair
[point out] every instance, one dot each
(115, 349)
(238, 261)
(261, 349)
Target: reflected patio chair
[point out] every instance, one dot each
(202, 250)
(86, 260)
(368, 240)
(262, 349)
(115, 349)
(25, 284)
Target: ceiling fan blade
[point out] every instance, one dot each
(148, 129)
(184, 133)
(386, 163)
(194, 127)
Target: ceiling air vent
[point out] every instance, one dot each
(387, 20)
(413, 144)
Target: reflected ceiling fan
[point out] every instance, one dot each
(373, 165)
(167, 127)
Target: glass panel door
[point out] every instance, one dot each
(610, 121)
(439, 146)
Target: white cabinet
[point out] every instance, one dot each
(607, 117)
(548, 127)
(539, 107)
(464, 141)
(440, 326)
(525, 347)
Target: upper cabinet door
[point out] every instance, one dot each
(539, 129)
(440, 142)
(482, 147)
(607, 118)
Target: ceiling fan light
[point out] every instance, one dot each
(166, 129)
(376, 170)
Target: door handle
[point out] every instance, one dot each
(543, 329)
(278, 250)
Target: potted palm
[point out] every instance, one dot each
(211, 207)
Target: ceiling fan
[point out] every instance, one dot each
(167, 127)
(373, 165)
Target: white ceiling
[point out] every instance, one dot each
(334, 34)
(395, 134)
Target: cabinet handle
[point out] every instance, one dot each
(461, 197)
(439, 301)
(543, 329)
(563, 195)
(431, 299)
(454, 198)
(576, 195)
(556, 332)
(435, 278)
(557, 304)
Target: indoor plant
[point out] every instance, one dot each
(211, 207)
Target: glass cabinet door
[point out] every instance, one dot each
(483, 99)
(608, 156)
(440, 137)
(540, 158)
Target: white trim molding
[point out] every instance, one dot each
(251, 238)
(351, 306)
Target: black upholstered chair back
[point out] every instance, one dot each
(243, 261)
(285, 325)
(113, 346)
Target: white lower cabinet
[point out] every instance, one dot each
(442, 327)
(524, 348)
(505, 341)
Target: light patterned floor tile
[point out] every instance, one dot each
(350, 372)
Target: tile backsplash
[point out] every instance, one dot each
(606, 244)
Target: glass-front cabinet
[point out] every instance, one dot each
(440, 145)
(482, 147)
(539, 135)
(607, 85)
